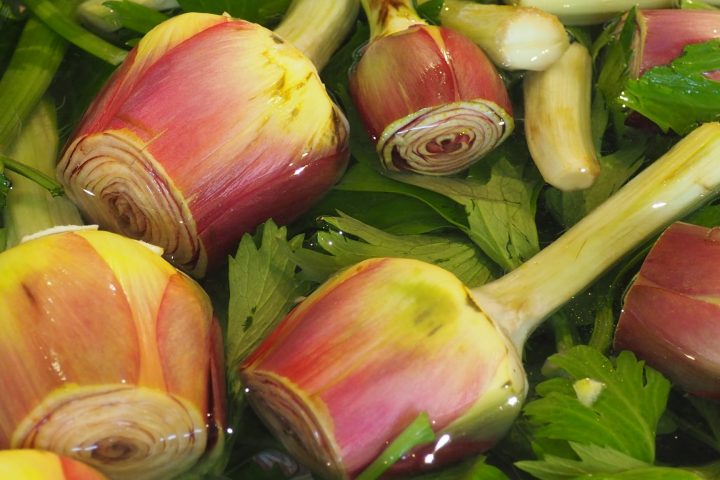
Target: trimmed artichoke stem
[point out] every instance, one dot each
(387, 17)
(126, 432)
(444, 140)
(673, 185)
(129, 206)
(317, 27)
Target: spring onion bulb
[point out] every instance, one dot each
(557, 120)
(589, 12)
(515, 38)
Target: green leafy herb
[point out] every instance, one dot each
(605, 434)
(679, 96)
(430, 10)
(454, 253)
(500, 199)
(393, 213)
(135, 16)
(617, 48)
(477, 469)
(263, 288)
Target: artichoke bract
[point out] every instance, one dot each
(210, 127)
(110, 356)
(671, 316)
(429, 97)
(388, 339)
(41, 465)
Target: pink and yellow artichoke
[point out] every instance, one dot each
(210, 127)
(384, 341)
(41, 465)
(429, 97)
(110, 356)
(671, 312)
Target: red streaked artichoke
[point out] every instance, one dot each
(211, 126)
(664, 33)
(111, 355)
(428, 96)
(41, 465)
(366, 353)
(388, 339)
(671, 313)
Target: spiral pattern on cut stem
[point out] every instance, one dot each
(446, 139)
(292, 421)
(137, 199)
(125, 432)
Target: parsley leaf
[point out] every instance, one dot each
(613, 431)
(679, 96)
(263, 288)
(451, 252)
(500, 201)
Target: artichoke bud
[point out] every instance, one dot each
(671, 310)
(210, 127)
(351, 366)
(428, 96)
(113, 356)
(28, 464)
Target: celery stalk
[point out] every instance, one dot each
(31, 207)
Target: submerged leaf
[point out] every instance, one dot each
(625, 415)
(263, 288)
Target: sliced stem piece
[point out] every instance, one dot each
(74, 33)
(557, 121)
(673, 185)
(30, 207)
(589, 12)
(318, 27)
(515, 38)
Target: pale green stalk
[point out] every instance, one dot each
(318, 27)
(589, 12)
(30, 207)
(673, 185)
